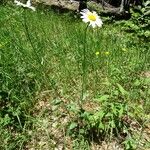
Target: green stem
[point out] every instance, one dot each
(27, 32)
(84, 67)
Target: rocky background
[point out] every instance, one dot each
(69, 4)
(106, 7)
(119, 8)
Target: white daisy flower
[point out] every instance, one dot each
(27, 5)
(91, 17)
(18, 3)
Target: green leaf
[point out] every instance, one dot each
(82, 131)
(103, 98)
(101, 126)
(147, 3)
(121, 111)
(122, 90)
(147, 81)
(113, 125)
(137, 83)
(73, 125)
(147, 13)
(56, 101)
(109, 115)
(101, 114)
(73, 108)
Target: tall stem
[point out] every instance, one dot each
(84, 67)
(27, 32)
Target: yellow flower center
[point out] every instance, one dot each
(92, 17)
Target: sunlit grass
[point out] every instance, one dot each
(42, 51)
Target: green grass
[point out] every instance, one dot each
(42, 52)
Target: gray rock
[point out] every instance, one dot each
(67, 4)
